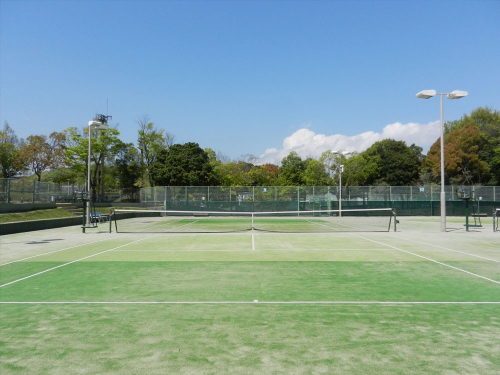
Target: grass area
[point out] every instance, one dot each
(340, 303)
(249, 339)
(244, 281)
(54, 213)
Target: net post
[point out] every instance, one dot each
(110, 217)
(395, 220)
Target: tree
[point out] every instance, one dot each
(264, 175)
(398, 164)
(149, 142)
(487, 120)
(10, 158)
(359, 170)
(462, 163)
(315, 174)
(105, 144)
(292, 170)
(234, 173)
(182, 165)
(40, 152)
(127, 168)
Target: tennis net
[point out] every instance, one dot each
(161, 221)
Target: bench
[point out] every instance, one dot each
(97, 217)
(479, 215)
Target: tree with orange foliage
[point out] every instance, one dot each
(462, 163)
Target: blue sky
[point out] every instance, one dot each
(243, 77)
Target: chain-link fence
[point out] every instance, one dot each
(411, 200)
(29, 191)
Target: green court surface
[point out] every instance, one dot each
(365, 302)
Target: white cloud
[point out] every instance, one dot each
(307, 143)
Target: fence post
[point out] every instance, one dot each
(298, 200)
(329, 204)
(166, 190)
(33, 195)
(8, 190)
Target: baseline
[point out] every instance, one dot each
(388, 303)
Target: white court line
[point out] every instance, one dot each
(65, 264)
(73, 261)
(253, 240)
(250, 302)
(157, 224)
(56, 251)
(432, 260)
(240, 251)
(456, 251)
(426, 258)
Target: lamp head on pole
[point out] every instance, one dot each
(457, 94)
(98, 125)
(426, 94)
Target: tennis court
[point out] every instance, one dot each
(235, 300)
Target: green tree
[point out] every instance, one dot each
(150, 142)
(398, 164)
(235, 173)
(10, 157)
(292, 170)
(40, 152)
(264, 175)
(105, 144)
(360, 170)
(127, 169)
(315, 174)
(182, 165)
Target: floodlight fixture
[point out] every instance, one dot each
(457, 94)
(426, 94)
(98, 125)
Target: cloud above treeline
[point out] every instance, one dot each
(307, 143)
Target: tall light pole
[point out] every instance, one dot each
(98, 126)
(426, 94)
(341, 169)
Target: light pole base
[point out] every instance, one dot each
(443, 211)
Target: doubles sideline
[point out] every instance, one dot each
(422, 257)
